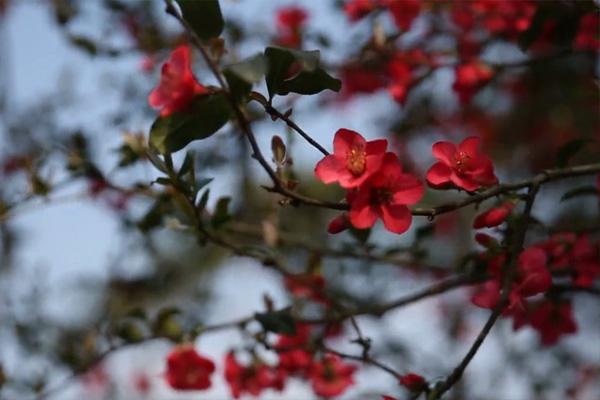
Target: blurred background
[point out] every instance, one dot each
(92, 255)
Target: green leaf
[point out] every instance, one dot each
(203, 200)
(277, 321)
(221, 214)
(204, 16)
(296, 71)
(311, 82)
(187, 165)
(568, 150)
(241, 76)
(207, 114)
(579, 192)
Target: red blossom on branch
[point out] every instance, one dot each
(331, 377)
(252, 378)
(178, 85)
(386, 196)
(294, 358)
(462, 166)
(494, 216)
(290, 21)
(353, 160)
(470, 78)
(553, 320)
(413, 382)
(188, 370)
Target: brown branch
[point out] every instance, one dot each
(509, 275)
(274, 113)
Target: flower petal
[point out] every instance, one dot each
(464, 182)
(378, 146)
(409, 190)
(345, 140)
(438, 174)
(396, 218)
(444, 151)
(330, 169)
(470, 145)
(361, 214)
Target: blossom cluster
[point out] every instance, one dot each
(564, 257)
(328, 375)
(378, 188)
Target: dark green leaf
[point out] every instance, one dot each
(154, 158)
(277, 321)
(203, 200)
(241, 76)
(296, 71)
(163, 181)
(204, 16)
(207, 114)
(568, 150)
(221, 214)
(311, 82)
(579, 192)
(187, 165)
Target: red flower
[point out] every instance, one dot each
(586, 262)
(413, 382)
(552, 321)
(330, 377)
(404, 12)
(178, 86)
(187, 370)
(353, 159)
(357, 79)
(142, 384)
(293, 356)
(385, 195)
(310, 286)
(291, 18)
(587, 35)
(252, 379)
(532, 277)
(471, 77)
(357, 9)
(463, 166)
(289, 24)
(487, 295)
(494, 216)
(401, 76)
(338, 224)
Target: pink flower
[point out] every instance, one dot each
(178, 86)
(463, 166)
(494, 216)
(353, 159)
(385, 195)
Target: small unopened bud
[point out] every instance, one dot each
(338, 224)
(413, 382)
(279, 150)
